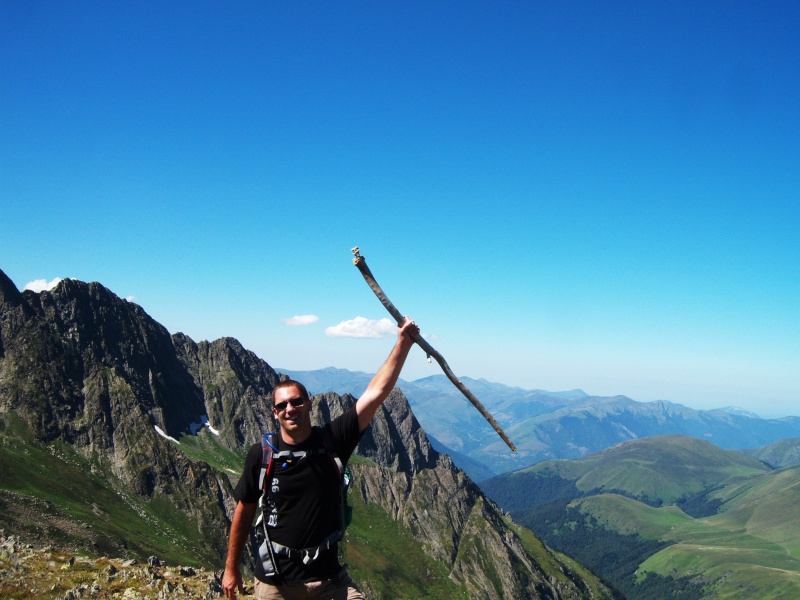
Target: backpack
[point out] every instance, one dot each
(270, 455)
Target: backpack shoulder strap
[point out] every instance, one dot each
(330, 448)
(269, 447)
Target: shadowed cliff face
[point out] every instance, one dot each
(80, 366)
(235, 385)
(95, 358)
(83, 367)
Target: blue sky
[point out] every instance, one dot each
(591, 195)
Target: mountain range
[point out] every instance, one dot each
(548, 425)
(118, 438)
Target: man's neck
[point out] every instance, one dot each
(297, 437)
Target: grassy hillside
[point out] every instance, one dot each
(743, 540)
(43, 500)
(756, 536)
(631, 517)
(550, 560)
(43, 497)
(782, 453)
(389, 563)
(54, 496)
(657, 470)
(205, 447)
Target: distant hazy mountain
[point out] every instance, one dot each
(331, 379)
(545, 425)
(735, 410)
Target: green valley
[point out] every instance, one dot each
(667, 513)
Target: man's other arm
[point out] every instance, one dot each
(240, 533)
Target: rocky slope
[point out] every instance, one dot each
(85, 373)
(33, 572)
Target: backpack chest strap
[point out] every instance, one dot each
(271, 457)
(307, 555)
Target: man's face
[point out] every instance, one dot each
(294, 420)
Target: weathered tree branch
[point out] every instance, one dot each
(361, 263)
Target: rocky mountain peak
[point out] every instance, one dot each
(9, 294)
(100, 355)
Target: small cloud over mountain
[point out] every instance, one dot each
(361, 327)
(300, 320)
(41, 285)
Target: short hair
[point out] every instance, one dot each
(287, 384)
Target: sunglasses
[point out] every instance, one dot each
(280, 406)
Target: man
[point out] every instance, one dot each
(303, 491)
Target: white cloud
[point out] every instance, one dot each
(131, 299)
(301, 320)
(41, 285)
(361, 327)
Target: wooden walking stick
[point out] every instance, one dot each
(361, 263)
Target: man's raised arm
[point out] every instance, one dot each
(385, 379)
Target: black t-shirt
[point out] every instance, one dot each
(307, 498)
